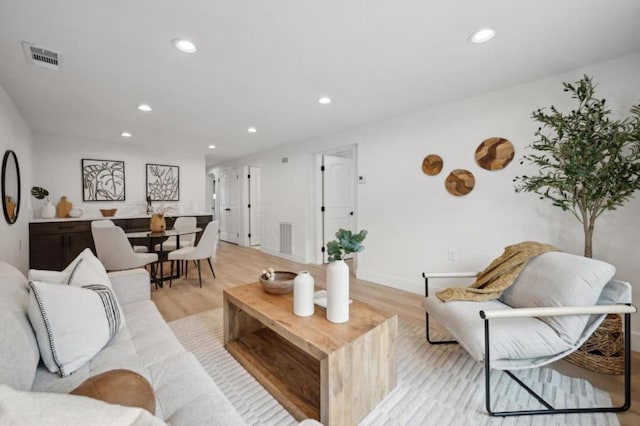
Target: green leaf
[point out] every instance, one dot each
(39, 192)
(347, 242)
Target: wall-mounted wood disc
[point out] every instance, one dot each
(494, 153)
(432, 164)
(460, 182)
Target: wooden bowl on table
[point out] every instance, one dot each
(108, 212)
(282, 284)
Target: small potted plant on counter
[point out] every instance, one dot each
(48, 210)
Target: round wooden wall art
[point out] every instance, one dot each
(432, 164)
(494, 153)
(460, 182)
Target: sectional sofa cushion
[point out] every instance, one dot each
(560, 279)
(72, 324)
(40, 408)
(19, 355)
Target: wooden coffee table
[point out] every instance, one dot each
(334, 373)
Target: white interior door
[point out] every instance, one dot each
(229, 212)
(338, 191)
(255, 223)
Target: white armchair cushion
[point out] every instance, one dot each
(560, 279)
(72, 324)
(511, 339)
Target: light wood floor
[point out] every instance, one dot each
(240, 265)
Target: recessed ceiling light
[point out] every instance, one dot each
(324, 100)
(185, 46)
(482, 36)
(126, 134)
(212, 147)
(252, 130)
(144, 107)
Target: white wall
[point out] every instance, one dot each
(16, 136)
(412, 220)
(58, 169)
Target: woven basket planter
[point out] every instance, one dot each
(603, 352)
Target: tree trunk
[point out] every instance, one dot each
(588, 241)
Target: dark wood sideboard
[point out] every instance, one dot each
(53, 245)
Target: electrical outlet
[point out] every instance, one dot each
(453, 255)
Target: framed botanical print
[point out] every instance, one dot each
(102, 180)
(163, 182)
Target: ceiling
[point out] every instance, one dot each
(266, 63)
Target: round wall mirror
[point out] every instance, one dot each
(10, 187)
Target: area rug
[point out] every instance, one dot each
(437, 384)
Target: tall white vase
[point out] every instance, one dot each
(48, 210)
(338, 291)
(303, 289)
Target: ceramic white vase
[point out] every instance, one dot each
(48, 210)
(338, 291)
(303, 289)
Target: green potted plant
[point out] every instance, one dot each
(588, 163)
(48, 210)
(338, 273)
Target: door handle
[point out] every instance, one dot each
(227, 209)
(351, 214)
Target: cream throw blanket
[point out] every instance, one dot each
(499, 275)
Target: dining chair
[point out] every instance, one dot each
(205, 249)
(106, 223)
(188, 240)
(115, 252)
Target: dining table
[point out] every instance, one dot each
(154, 238)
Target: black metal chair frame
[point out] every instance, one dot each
(426, 316)
(549, 409)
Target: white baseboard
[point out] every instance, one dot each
(273, 252)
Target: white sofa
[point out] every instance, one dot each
(185, 393)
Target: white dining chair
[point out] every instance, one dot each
(115, 252)
(106, 223)
(205, 249)
(187, 240)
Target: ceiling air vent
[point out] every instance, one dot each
(40, 56)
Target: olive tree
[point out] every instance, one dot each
(587, 162)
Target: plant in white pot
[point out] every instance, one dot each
(338, 273)
(48, 210)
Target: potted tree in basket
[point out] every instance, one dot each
(338, 273)
(588, 164)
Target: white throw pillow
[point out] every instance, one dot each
(85, 269)
(90, 271)
(60, 277)
(72, 324)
